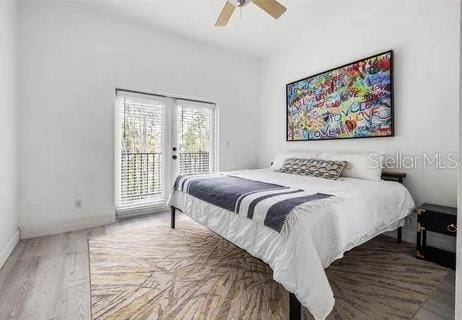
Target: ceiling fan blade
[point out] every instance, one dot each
(225, 14)
(272, 7)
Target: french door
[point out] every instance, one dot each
(158, 138)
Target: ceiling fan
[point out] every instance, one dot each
(272, 7)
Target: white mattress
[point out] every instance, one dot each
(362, 210)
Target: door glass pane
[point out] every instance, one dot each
(195, 137)
(142, 163)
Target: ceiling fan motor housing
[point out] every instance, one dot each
(272, 7)
(241, 3)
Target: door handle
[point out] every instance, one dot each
(451, 228)
(174, 157)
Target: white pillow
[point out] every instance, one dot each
(358, 165)
(280, 157)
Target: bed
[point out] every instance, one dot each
(349, 212)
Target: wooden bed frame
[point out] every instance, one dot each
(295, 307)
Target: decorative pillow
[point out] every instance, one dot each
(281, 157)
(361, 166)
(313, 167)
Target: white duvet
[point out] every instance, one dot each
(362, 210)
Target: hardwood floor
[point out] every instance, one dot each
(48, 277)
(441, 303)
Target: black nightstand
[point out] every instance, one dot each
(439, 219)
(393, 176)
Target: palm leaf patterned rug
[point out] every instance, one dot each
(154, 272)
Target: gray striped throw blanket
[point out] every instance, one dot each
(264, 202)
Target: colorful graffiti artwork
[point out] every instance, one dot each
(352, 101)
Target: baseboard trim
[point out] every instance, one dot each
(8, 248)
(128, 213)
(34, 231)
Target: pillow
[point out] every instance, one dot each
(359, 166)
(313, 167)
(280, 157)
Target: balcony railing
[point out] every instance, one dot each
(194, 162)
(141, 173)
(140, 176)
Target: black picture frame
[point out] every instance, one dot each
(392, 124)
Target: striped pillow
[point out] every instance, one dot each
(313, 167)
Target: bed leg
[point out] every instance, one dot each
(399, 237)
(172, 210)
(295, 308)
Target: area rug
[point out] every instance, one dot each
(157, 273)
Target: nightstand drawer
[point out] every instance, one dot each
(439, 222)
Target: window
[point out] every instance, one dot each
(196, 143)
(141, 150)
(158, 138)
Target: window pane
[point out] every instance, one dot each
(141, 152)
(195, 137)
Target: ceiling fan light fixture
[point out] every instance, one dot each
(242, 3)
(272, 7)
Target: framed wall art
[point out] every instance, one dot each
(351, 101)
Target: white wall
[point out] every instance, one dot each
(425, 38)
(459, 212)
(72, 59)
(8, 131)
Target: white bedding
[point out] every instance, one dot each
(362, 210)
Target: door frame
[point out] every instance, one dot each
(170, 140)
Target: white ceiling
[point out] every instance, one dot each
(252, 30)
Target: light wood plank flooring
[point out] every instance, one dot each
(48, 277)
